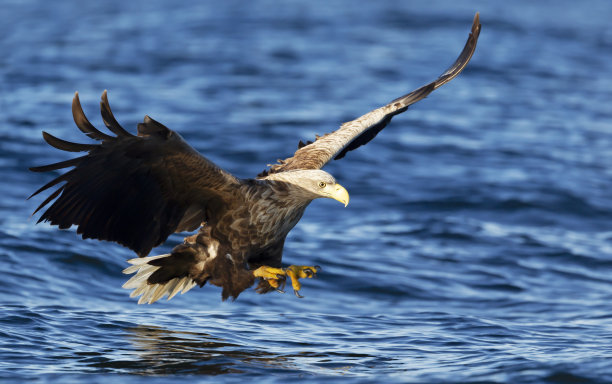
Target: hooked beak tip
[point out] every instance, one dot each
(341, 195)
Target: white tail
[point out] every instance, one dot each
(153, 292)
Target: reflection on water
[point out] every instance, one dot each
(162, 351)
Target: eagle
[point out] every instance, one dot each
(137, 190)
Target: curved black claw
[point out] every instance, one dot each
(312, 271)
(297, 293)
(309, 273)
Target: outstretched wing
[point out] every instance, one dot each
(356, 133)
(135, 190)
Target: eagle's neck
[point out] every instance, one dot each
(275, 207)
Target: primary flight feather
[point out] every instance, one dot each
(138, 190)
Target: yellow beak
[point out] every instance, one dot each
(340, 194)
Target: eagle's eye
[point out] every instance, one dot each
(322, 184)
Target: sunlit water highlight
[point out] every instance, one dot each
(478, 242)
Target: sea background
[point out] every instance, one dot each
(477, 246)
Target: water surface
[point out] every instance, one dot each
(477, 246)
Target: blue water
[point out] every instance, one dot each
(477, 246)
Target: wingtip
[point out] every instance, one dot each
(76, 106)
(46, 136)
(104, 100)
(476, 24)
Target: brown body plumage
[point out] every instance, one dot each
(137, 190)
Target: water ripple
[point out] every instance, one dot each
(477, 245)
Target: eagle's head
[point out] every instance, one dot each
(310, 184)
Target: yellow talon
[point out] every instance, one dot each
(268, 272)
(274, 283)
(274, 276)
(295, 272)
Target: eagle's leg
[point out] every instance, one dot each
(276, 276)
(297, 272)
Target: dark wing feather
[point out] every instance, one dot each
(108, 118)
(83, 124)
(135, 190)
(356, 133)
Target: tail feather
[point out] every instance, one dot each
(174, 287)
(138, 291)
(150, 293)
(189, 264)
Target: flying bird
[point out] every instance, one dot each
(137, 190)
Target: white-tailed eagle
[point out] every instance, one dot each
(137, 190)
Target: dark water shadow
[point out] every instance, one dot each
(161, 352)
